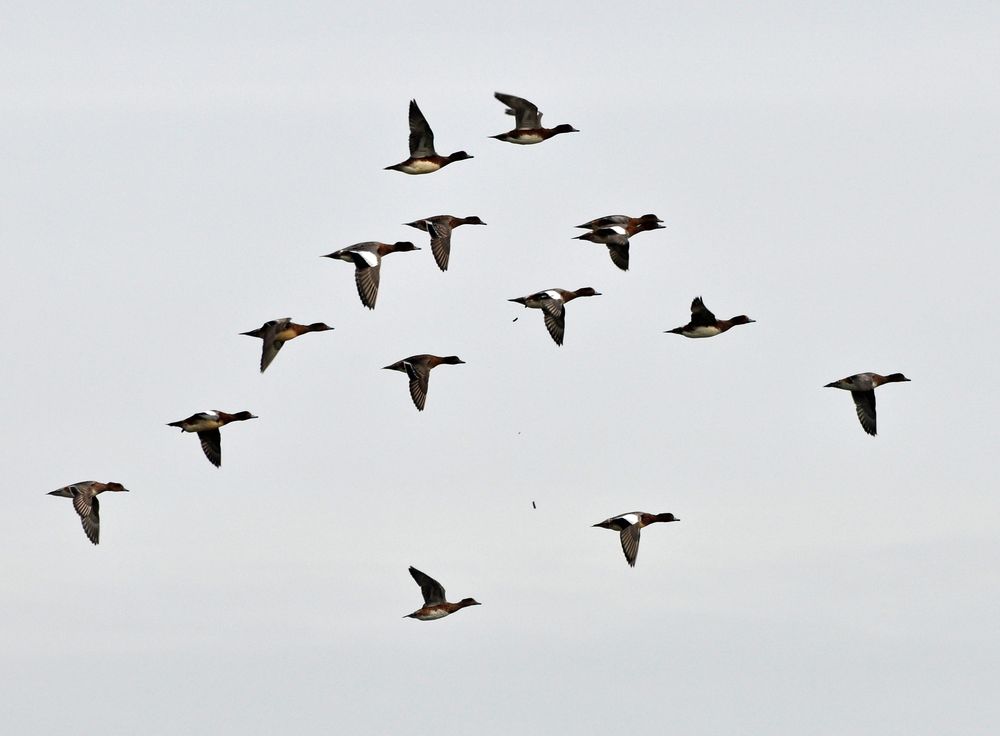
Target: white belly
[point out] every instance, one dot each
(527, 140)
(703, 332)
(421, 167)
(435, 614)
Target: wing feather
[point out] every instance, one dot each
(431, 589)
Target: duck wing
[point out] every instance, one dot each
(366, 278)
(526, 115)
(701, 316)
(554, 312)
(431, 589)
(271, 348)
(211, 445)
(271, 344)
(88, 508)
(440, 242)
(630, 543)
(619, 254)
(421, 135)
(419, 376)
(864, 405)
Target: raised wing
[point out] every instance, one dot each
(421, 135)
(430, 588)
(526, 115)
(700, 314)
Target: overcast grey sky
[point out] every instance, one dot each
(172, 173)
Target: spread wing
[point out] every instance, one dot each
(554, 312)
(421, 135)
(630, 543)
(430, 588)
(525, 113)
(271, 348)
(419, 377)
(619, 254)
(272, 345)
(440, 243)
(700, 314)
(88, 508)
(864, 405)
(211, 445)
(367, 277)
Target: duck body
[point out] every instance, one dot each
(276, 332)
(552, 302)
(86, 505)
(435, 606)
(418, 369)
(367, 259)
(862, 387)
(630, 225)
(628, 525)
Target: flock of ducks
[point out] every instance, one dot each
(613, 231)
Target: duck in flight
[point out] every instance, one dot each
(277, 332)
(862, 387)
(704, 324)
(435, 606)
(84, 495)
(615, 239)
(552, 302)
(614, 231)
(206, 424)
(418, 369)
(423, 158)
(528, 122)
(367, 260)
(628, 525)
(630, 225)
(439, 227)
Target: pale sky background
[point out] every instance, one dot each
(172, 173)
